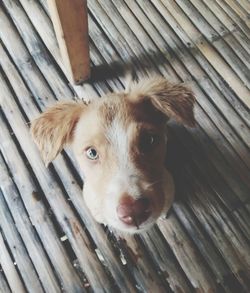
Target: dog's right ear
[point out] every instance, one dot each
(54, 128)
(171, 99)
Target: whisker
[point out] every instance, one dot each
(152, 184)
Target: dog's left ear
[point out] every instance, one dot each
(173, 100)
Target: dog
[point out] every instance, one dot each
(120, 144)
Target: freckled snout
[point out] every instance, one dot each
(133, 212)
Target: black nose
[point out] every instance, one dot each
(133, 212)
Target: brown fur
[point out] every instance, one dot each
(173, 100)
(53, 129)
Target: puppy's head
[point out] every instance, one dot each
(120, 144)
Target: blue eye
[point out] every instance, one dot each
(92, 153)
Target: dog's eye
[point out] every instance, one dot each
(92, 153)
(148, 141)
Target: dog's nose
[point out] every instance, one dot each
(133, 212)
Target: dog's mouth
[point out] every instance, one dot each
(132, 211)
(135, 227)
(136, 221)
(134, 214)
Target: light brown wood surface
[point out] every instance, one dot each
(70, 21)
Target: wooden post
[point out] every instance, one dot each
(70, 21)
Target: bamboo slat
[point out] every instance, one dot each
(231, 243)
(44, 25)
(17, 248)
(219, 44)
(26, 231)
(8, 266)
(39, 215)
(3, 284)
(211, 55)
(221, 29)
(70, 23)
(234, 16)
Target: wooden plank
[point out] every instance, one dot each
(70, 20)
(225, 248)
(55, 80)
(44, 4)
(139, 264)
(4, 287)
(219, 44)
(235, 262)
(244, 15)
(243, 219)
(9, 269)
(230, 25)
(245, 4)
(126, 48)
(190, 260)
(210, 53)
(221, 177)
(17, 248)
(166, 262)
(52, 74)
(44, 28)
(228, 239)
(26, 230)
(219, 28)
(234, 16)
(39, 215)
(205, 245)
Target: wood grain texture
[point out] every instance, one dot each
(27, 232)
(17, 248)
(4, 287)
(70, 20)
(8, 266)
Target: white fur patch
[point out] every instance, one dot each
(125, 180)
(118, 137)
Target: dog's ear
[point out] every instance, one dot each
(173, 100)
(54, 128)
